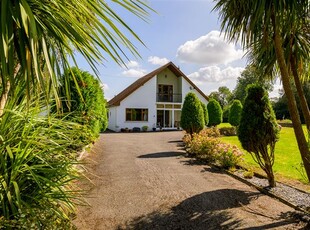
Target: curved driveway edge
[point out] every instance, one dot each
(144, 181)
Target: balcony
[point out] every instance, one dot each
(168, 97)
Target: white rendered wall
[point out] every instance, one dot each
(142, 98)
(187, 87)
(112, 118)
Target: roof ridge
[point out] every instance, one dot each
(115, 101)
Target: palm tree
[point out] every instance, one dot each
(297, 49)
(40, 37)
(252, 21)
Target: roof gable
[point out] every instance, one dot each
(141, 81)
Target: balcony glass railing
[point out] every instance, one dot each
(165, 97)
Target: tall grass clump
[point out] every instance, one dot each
(37, 168)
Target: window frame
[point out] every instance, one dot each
(143, 114)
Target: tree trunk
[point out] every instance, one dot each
(301, 95)
(5, 94)
(299, 133)
(4, 97)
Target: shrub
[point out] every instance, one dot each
(215, 113)
(205, 113)
(228, 131)
(258, 131)
(235, 113)
(206, 146)
(37, 168)
(192, 118)
(228, 155)
(225, 114)
(87, 104)
(210, 132)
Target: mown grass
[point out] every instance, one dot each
(287, 157)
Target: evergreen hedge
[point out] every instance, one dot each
(192, 115)
(258, 130)
(205, 113)
(85, 104)
(235, 113)
(215, 113)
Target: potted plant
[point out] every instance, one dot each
(144, 128)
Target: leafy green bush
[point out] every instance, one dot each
(192, 116)
(205, 113)
(215, 113)
(235, 113)
(258, 130)
(228, 131)
(86, 104)
(36, 168)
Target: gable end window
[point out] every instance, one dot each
(136, 114)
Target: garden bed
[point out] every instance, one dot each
(294, 197)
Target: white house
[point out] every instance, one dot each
(154, 100)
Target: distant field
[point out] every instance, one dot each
(287, 156)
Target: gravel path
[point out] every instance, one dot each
(143, 181)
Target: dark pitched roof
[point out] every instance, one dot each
(141, 81)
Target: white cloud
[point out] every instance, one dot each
(134, 72)
(157, 60)
(215, 74)
(133, 69)
(211, 49)
(132, 64)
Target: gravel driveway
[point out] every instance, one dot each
(144, 181)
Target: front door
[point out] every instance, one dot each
(163, 119)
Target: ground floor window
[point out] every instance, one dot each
(136, 114)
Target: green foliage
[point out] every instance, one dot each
(258, 131)
(192, 115)
(226, 113)
(228, 131)
(37, 168)
(250, 75)
(207, 146)
(40, 37)
(215, 113)
(223, 96)
(205, 113)
(280, 106)
(228, 156)
(235, 113)
(87, 104)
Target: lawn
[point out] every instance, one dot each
(287, 156)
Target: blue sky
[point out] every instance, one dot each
(185, 32)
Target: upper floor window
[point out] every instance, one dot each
(136, 114)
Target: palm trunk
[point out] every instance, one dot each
(4, 97)
(5, 94)
(301, 95)
(299, 133)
